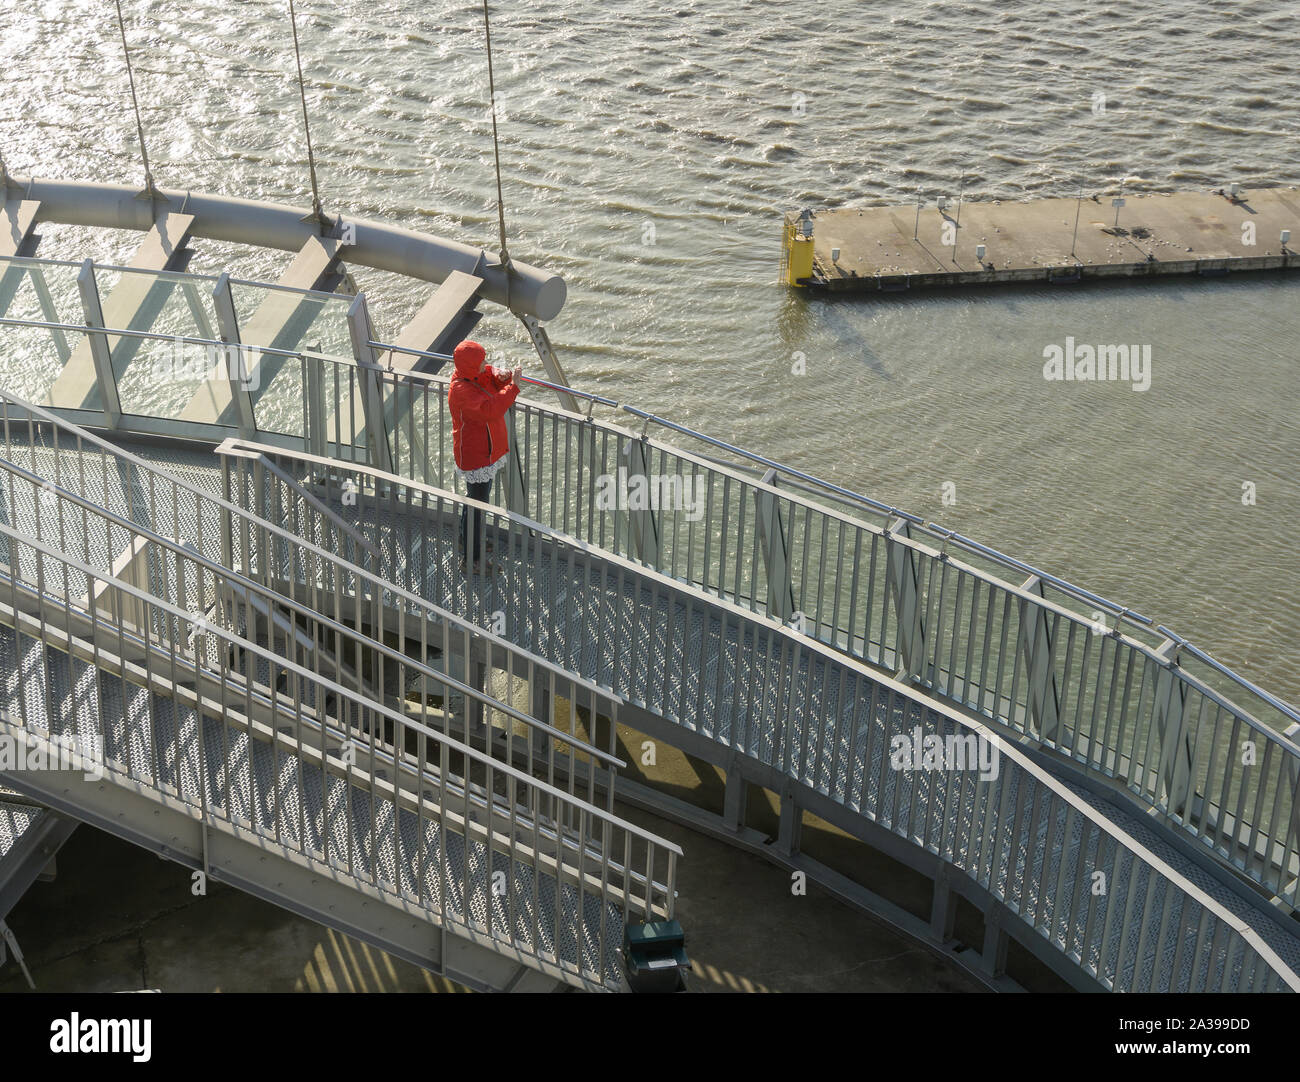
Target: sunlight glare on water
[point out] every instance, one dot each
(648, 153)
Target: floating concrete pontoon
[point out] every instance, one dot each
(886, 249)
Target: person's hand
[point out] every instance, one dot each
(516, 372)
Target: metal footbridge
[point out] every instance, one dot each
(228, 573)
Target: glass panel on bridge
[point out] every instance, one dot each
(46, 292)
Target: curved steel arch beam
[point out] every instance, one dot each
(259, 224)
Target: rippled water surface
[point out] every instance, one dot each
(648, 154)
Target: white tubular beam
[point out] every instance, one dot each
(269, 225)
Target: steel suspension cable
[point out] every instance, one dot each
(135, 102)
(302, 94)
(496, 148)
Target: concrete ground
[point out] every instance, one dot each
(118, 918)
(746, 932)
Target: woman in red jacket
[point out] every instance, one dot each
(478, 398)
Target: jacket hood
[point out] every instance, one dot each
(468, 357)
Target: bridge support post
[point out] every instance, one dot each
(372, 395)
(791, 827)
(315, 405)
(540, 707)
(1175, 743)
(1292, 733)
(993, 960)
(1036, 649)
(237, 368)
(642, 525)
(476, 720)
(516, 485)
(735, 797)
(99, 350)
(906, 593)
(943, 908)
(227, 517)
(400, 427)
(9, 945)
(776, 552)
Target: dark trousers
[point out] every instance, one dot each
(482, 492)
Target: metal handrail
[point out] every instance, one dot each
(939, 532)
(183, 339)
(236, 577)
(1279, 705)
(39, 263)
(1206, 826)
(289, 665)
(522, 781)
(942, 534)
(857, 498)
(586, 396)
(462, 625)
(337, 522)
(391, 348)
(657, 583)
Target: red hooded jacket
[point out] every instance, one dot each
(478, 402)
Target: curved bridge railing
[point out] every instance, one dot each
(1075, 674)
(561, 901)
(729, 682)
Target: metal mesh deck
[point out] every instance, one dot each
(16, 818)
